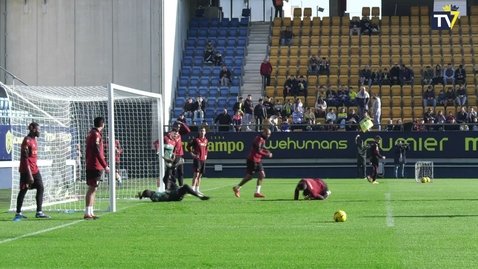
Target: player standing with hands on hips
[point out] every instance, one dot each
(198, 149)
(95, 165)
(254, 163)
(30, 177)
(374, 159)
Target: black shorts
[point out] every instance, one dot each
(253, 167)
(93, 177)
(199, 166)
(37, 181)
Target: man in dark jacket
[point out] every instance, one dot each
(239, 106)
(248, 109)
(400, 158)
(224, 121)
(395, 74)
(361, 157)
(290, 86)
(260, 113)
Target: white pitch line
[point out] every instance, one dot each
(388, 208)
(77, 221)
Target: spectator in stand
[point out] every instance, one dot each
(398, 126)
(290, 86)
(440, 126)
(377, 110)
(352, 96)
(188, 108)
(225, 76)
(385, 78)
(429, 97)
(351, 125)
(461, 95)
(330, 126)
(462, 116)
(286, 36)
(442, 99)
(237, 121)
(429, 118)
(224, 121)
(464, 127)
(309, 115)
(287, 109)
(298, 104)
(260, 113)
(278, 107)
(395, 74)
(419, 125)
(365, 26)
(362, 100)
(297, 116)
(460, 75)
(239, 106)
(438, 75)
(199, 107)
(314, 64)
(450, 117)
(209, 53)
(320, 108)
(453, 126)
(475, 125)
(390, 126)
(269, 106)
(218, 59)
(205, 125)
(331, 116)
(302, 87)
(342, 96)
(439, 117)
(266, 70)
(181, 118)
(450, 97)
(331, 97)
(365, 76)
(406, 75)
(285, 125)
(274, 122)
(249, 111)
(375, 78)
(353, 115)
(427, 76)
(355, 26)
(321, 92)
(193, 127)
(471, 114)
(278, 4)
(310, 125)
(324, 67)
(342, 117)
(449, 75)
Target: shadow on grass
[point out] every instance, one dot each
(426, 216)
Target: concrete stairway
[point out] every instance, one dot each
(257, 51)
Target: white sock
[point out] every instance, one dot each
(39, 212)
(159, 189)
(88, 210)
(91, 211)
(258, 189)
(238, 187)
(197, 188)
(119, 179)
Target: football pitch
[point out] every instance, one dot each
(396, 224)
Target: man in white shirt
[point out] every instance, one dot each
(377, 110)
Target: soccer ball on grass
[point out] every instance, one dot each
(425, 180)
(340, 216)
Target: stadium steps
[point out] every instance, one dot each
(257, 51)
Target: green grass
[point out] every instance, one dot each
(434, 226)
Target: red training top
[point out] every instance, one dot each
(183, 130)
(257, 150)
(199, 147)
(94, 153)
(315, 186)
(266, 68)
(29, 155)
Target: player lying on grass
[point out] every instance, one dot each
(175, 194)
(313, 189)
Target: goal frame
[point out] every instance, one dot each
(417, 175)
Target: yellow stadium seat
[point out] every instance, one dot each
(415, 11)
(395, 21)
(315, 31)
(395, 30)
(316, 21)
(334, 59)
(396, 101)
(405, 40)
(375, 11)
(274, 51)
(326, 21)
(424, 11)
(303, 70)
(404, 21)
(374, 89)
(324, 40)
(407, 100)
(344, 60)
(276, 31)
(366, 11)
(314, 50)
(375, 59)
(414, 21)
(343, 70)
(307, 12)
(385, 30)
(417, 90)
(464, 21)
(436, 49)
(450, 109)
(407, 112)
(355, 41)
(274, 60)
(284, 51)
(270, 91)
(282, 71)
(312, 80)
(386, 112)
(397, 112)
(474, 10)
(365, 40)
(426, 59)
(456, 50)
(336, 21)
(395, 50)
(293, 60)
(416, 51)
(405, 30)
(354, 50)
(354, 79)
(297, 12)
(385, 101)
(322, 80)
(465, 30)
(345, 51)
(277, 22)
(386, 60)
(303, 61)
(406, 90)
(406, 50)
(375, 40)
(281, 81)
(334, 41)
(345, 41)
(275, 41)
(467, 49)
(418, 113)
(424, 20)
(343, 80)
(333, 80)
(334, 51)
(445, 40)
(296, 31)
(346, 21)
(304, 51)
(286, 22)
(437, 59)
(324, 51)
(472, 100)
(344, 30)
(354, 60)
(293, 71)
(385, 21)
(306, 26)
(417, 100)
(385, 50)
(294, 51)
(416, 60)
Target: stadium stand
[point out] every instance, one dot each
(229, 37)
(406, 40)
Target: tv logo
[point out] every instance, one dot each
(446, 19)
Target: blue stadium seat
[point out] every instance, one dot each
(225, 22)
(213, 40)
(191, 42)
(215, 81)
(201, 42)
(214, 22)
(230, 111)
(204, 22)
(206, 71)
(221, 50)
(196, 71)
(239, 61)
(189, 121)
(182, 91)
(221, 41)
(228, 61)
(236, 81)
(190, 51)
(223, 32)
(230, 52)
(205, 82)
(194, 23)
(186, 71)
(210, 111)
(203, 91)
(211, 101)
(222, 102)
(209, 121)
(188, 61)
(246, 12)
(179, 102)
(213, 32)
(233, 31)
(219, 110)
(213, 91)
(172, 122)
(216, 70)
(245, 22)
(224, 92)
(231, 41)
(183, 81)
(193, 32)
(237, 71)
(177, 111)
(243, 32)
(231, 101)
(242, 41)
(200, 12)
(203, 32)
(198, 121)
(198, 61)
(192, 92)
(234, 91)
(240, 51)
(234, 22)
(194, 81)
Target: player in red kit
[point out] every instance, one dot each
(95, 165)
(313, 189)
(254, 163)
(30, 177)
(375, 156)
(182, 129)
(198, 149)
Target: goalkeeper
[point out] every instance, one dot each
(175, 194)
(170, 162)
(313, 189)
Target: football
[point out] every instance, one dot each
(340, 216)
(424, 180)
(428, 180)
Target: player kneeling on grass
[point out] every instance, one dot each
(175, 194)
(313, 189)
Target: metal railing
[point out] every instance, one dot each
(13, 76)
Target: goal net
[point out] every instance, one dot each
(423, 169)
(66, 115)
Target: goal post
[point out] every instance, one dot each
(423, 169)
(133, 121)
